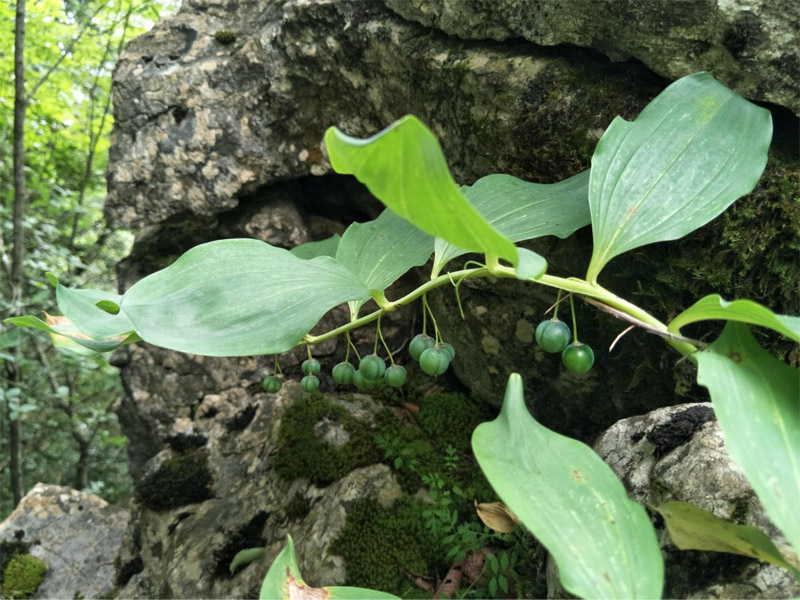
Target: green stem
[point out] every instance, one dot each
(437, 338)
(385, 345)
(417, 293)
(555, 310)
(377, 335)
(574, 320)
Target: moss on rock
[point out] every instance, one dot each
(302, 453)
(22, 576)
(378, 544)
(180, 480)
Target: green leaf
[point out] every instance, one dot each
(531, 265)
(404, 167)
(80, 307)
(110, 307)
(283, 581)
(522, 211)
(691, 152)
(380, 251)
(692, 528)
(757, 402)
(245, 557)
(237, 297)
(745, 311)
(311, 250)
(74, 336)
(572, 502)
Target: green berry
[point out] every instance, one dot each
(553, 335)
(362, 384)
(395, 376)
(372, 367)
(343, 373)
(578, 357)
(310, 366)
(310, 383)
(419, 344)
(272, 384)
(434, 361)
(451, 352)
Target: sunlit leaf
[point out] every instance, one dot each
(378, 252)
(692, 528)
(745, 311)
(757, 403)
(691, 152)
(404, 167)
(497, 516)
(80, 307)
(522, 211)
(326, 247)
(69, 332)
(603, 543)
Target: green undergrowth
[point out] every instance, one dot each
(428, 450)
(22, 575)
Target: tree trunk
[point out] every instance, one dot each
(18, 251)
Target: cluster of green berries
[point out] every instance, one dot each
(371, 370)
(553, 336)
(433, 358)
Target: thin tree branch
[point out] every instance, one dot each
(64, 54)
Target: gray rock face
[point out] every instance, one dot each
(752, 46)
(77, 535)
(181, 542)
(678, 453)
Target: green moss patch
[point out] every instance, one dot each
(378, 544)
(22, 576)
(302, 453)
(182, 479)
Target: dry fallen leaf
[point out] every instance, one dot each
(497, 516)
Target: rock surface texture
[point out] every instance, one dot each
(76, 534)
(678, 453)
(216, 140)
(215, 491)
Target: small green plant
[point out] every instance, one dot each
(22, 576)
(225, 37)
(687, 157)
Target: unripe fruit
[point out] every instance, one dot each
(419, 344)
(272, 384)
(395, 376)
(343, 373)
(578, 357)
(372, 367)
(553, 335)
(451, 352)
(362, 384)
(434, 361)
(310, 367)
(309, 383)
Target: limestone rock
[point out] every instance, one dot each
(76, 534)
(180, 544)
(678, 453)
(752, 46)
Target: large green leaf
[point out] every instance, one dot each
(522, 211)
(404, 167)
(757, 402)
(572, 502)
(380, 251)
(326, 247)
(237, 297)
(690, 153)
(692, 528)
(745, 311)
(284, 582)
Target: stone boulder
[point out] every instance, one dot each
(217, 490)
(77, 535)
(678, 453)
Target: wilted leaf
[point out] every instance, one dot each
(497, 516)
